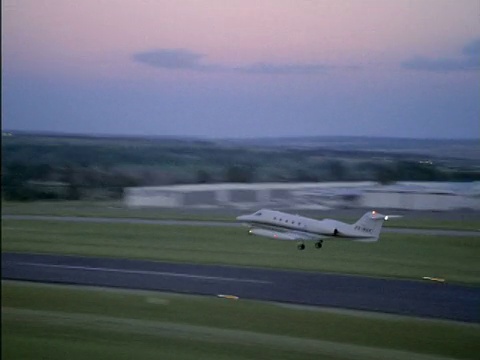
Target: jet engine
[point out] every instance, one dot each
(271, 234)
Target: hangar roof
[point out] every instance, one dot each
(259, 186)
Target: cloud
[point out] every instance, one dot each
(182, 59)
(174, 59)
(472, 49)
(442, 65)
(265, 68)
(469, 61)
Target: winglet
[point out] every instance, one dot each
(377, 216)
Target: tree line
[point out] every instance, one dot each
(60, 169)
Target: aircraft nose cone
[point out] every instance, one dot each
(241, 218)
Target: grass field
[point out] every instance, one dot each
(61, 322)
(116, 209)
(111, 209)
(395, 255)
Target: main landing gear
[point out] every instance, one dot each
(318, 245)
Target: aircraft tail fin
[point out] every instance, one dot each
(371, 224)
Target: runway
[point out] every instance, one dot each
(434, 232)
(413, 298)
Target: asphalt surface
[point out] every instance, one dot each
(435, 232)
(414, 298)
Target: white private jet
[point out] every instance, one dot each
(283, 226)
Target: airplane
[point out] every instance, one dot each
(282, 226)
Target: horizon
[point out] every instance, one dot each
(12, 132)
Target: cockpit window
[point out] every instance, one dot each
(258, 213)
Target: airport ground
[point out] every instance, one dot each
(458, 219)
(57, 321)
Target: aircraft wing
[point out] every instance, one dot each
(284, 235)
(306, 237)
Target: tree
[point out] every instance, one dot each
(203, 177)
(303, 175)
(385, 174)
(337, 170)
(239, 173)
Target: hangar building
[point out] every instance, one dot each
(403, 195)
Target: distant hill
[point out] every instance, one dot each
(449, 148)
(445, 148)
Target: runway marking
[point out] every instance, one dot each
(433, 279)
(230, 297)
(147, 272)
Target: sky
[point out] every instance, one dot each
(242, 68)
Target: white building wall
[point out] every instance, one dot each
(383, 200)
(299, 196)
(415, 201)
(222, 196)
(152, 198)
(473, 203)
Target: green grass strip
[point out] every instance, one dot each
(117, 209)
(53, 321)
